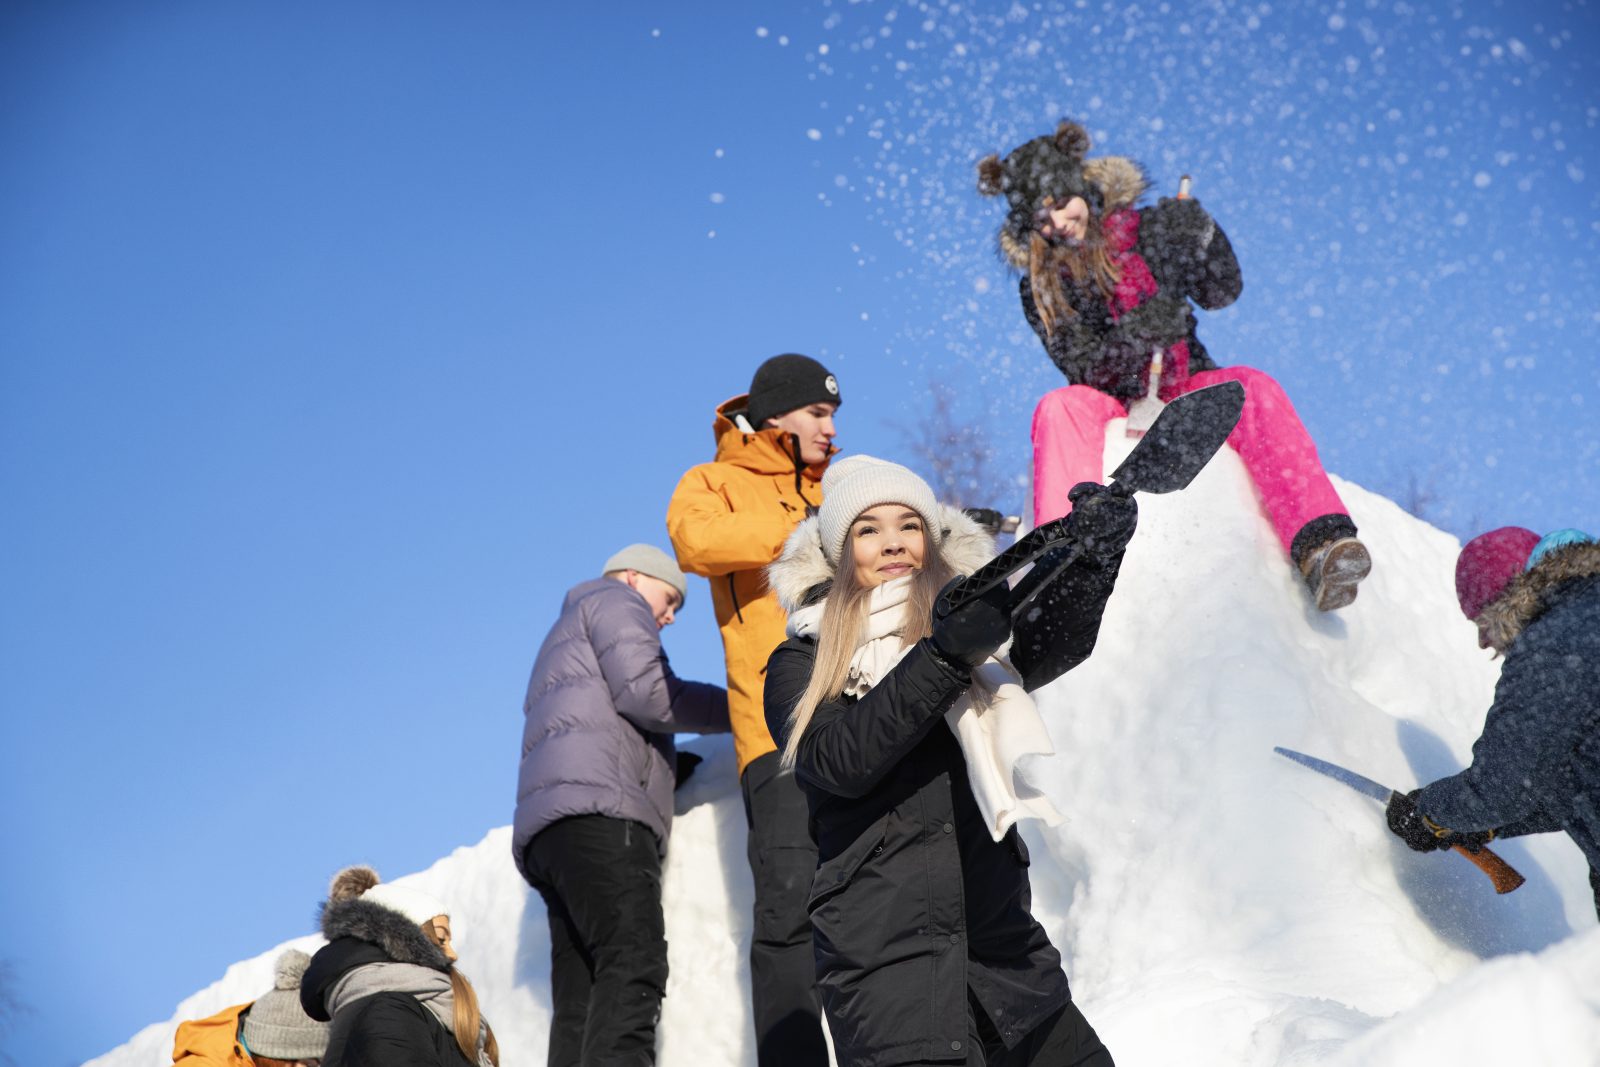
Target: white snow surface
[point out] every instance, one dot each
(1213, 902)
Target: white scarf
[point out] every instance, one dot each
(995, 721)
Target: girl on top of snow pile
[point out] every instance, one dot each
(271, 1031)
(903, 731)
(388, 981)
(1106, 285)
(1536, 766)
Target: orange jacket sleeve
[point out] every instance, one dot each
(711, 538)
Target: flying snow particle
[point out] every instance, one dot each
(717, 198)
(1335, 22)
(1315, 311)
(711, 233)
(840, 180)
(1459, 219)
(980, 285)
(783, 41)
(863, 316)
(1575, 172)
(814, 134)
(1481, 179)
(718, 153)
(655, 33)
(822, 49)
(761, 31)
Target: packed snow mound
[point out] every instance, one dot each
(1214, 903)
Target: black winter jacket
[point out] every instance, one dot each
(1190, 258)
(1536, 766)
(913, 902)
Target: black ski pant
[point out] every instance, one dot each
(1065, 1039)
(1594, 883)
(783, 965)
(601, 882)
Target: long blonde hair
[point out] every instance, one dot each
(1087, 262)
(844, 618)
(465, 1018)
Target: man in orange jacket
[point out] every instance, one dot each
(728, 519)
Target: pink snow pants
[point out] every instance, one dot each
(1069, 442)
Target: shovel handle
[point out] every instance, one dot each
(1502, 874)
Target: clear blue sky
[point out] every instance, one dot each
(337, 341)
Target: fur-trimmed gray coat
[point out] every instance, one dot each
(1536, 766)
(913, 901)
(601, 709)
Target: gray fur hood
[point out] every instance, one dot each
(401, 939)
(802, 574)
(1530, 594)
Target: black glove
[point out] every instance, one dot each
(1160, 322)
(1103, 520)
(988, 518)
(1410, 825)
(1471, 840)
(686, 763)
(972, 632)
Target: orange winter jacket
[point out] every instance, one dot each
(211, 1042)
(728, 519)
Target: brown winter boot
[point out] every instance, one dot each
(1333, 571)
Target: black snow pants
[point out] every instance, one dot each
(1065, 1039)
(601, 882)
(783, 965)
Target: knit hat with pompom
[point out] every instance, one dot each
(276, 1026)
(363, 882)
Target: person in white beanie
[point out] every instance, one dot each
(271, 1031)
(594, 802)
(387, 979)
(904, 730)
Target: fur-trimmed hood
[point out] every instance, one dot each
(1530, 594)
(400, 939)
(802, 574)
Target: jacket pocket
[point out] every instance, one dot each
(835, 875)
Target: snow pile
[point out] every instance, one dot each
(1215, 903)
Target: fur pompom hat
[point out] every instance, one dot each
(1043, 167)
(857, 483)
(276, 1026)
(359, 881)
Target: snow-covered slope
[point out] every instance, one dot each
(1215, 903)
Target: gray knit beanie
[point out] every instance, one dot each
(276, 1026)
(648, 559)
(854, 484)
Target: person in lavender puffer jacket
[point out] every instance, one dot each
(594, 802)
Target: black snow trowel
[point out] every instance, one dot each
(1181, 441)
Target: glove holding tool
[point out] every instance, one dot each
(1418, 831)
(1182, 440)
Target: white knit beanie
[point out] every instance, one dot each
(854, 484)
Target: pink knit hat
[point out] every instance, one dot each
(1487, 563)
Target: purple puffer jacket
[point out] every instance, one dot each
(601, 709)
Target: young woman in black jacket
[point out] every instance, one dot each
(387, 980)
(926, 949)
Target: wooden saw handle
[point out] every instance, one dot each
(1502, 874)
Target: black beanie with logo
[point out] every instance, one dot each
(784, 383)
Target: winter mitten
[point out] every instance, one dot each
(972, 632)
(1160, 322)
(684, 767)
(1471, 840)
(1102, 518)
(1410, 825)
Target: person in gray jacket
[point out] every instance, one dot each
(594, 802)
